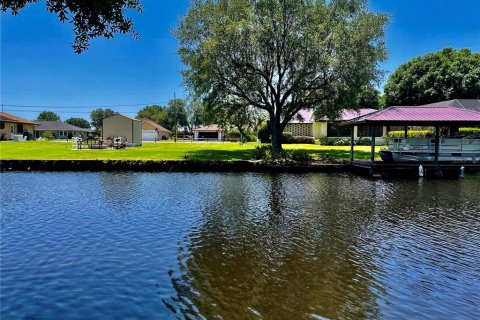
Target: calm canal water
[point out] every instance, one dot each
(238, 246)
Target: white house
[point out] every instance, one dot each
(152, 131)
(305, 124)
(209, 133)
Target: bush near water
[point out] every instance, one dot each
(264, 153)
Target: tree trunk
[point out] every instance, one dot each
(276, 138)
(242, 132)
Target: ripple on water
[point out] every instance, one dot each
(145, 245)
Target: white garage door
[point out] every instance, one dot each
(149, 135)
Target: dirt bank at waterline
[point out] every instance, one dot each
(167, 166)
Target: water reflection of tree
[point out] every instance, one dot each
(283, 248)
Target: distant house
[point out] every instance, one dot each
(152, 131)
(470, 104)
(305, 124)
(209, 133)
(12, 127)
(119, 125)
(60, 130)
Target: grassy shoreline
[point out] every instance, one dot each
(61, 150)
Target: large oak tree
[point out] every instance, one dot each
(281, 55)
(90, 18)
(442, 75)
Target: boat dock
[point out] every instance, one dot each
(413, 169)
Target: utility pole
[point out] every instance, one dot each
(175, 114)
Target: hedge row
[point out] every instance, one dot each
(470, 131)
(397, 134)
(326, 141)
(287, 137)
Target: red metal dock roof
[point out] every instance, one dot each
(428, 115)
(308, 116)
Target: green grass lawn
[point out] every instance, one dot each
(163, 151)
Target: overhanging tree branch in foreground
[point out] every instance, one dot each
(90, 18)
(281, 56)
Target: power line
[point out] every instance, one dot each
(84, 106)
(37, 111)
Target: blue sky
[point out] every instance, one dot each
(39, 68)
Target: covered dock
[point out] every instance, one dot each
(425, 116)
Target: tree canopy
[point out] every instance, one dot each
(172, 116)
(196, 116)
(90, 19)
(78, 122)
(281, 56)
(48, 116)
(156, 113)
(442, 75)
(177, 115)
(98, 115)
(244, 119)
(369, 97)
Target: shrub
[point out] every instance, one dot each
(263, 152)
(301, 156)
(385, 140)
(341, 141)
(232, 134)
(364, 142)
(264, 134)
(303, 139)
(251, 137)
(397, 134)
(470, 131)
(287, 137)
(325, 141)
(48, 135)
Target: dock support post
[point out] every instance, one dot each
(372, 155)
(437, 149)
(352, 142)
(406, 132)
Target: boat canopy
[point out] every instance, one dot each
(418, 115)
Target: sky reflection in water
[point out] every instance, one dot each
(149, 245)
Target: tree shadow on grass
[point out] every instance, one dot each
(220, 154)
(340, 154)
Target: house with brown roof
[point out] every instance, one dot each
(13, 127)
(211, 132)
(152, 131)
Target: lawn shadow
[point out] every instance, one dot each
(340, 154)
(220, 154)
